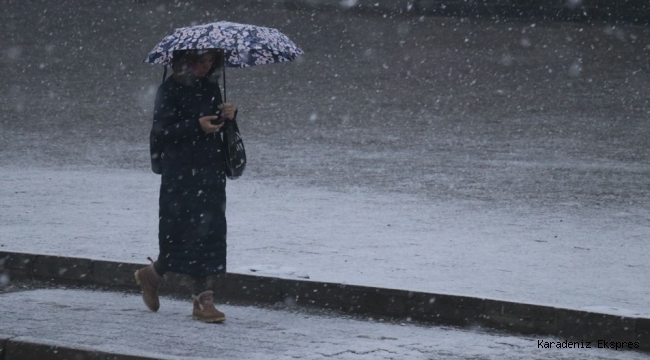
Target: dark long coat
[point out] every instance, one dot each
(192, 225)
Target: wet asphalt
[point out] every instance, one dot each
(490, 111)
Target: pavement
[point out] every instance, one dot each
(83, 324)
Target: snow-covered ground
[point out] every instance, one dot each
(77, 319)
(593, 260)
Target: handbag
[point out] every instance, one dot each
(234, 151)
(155, 151)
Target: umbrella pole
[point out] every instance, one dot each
(223, 66)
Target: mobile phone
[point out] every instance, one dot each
(218, 120)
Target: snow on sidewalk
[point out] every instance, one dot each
(119, 323)
(565, 256)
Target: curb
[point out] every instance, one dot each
(20, 348)
(431, 308)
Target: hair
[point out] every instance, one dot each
(181, 59)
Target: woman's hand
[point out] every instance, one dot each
(208, 126)
(228, 110)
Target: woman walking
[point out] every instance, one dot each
(186, 149)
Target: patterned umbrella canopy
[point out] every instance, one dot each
(243, 45)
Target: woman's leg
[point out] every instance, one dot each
(160, 267)
(200, 284)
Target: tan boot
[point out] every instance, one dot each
(149, 281)
(204, 309)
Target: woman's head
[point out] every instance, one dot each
(196, 63)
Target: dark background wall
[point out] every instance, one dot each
(637, 11)
(629, 11)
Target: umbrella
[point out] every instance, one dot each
(243, 45)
